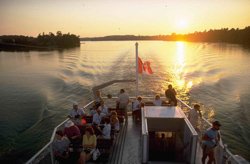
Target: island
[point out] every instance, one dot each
(51, 41)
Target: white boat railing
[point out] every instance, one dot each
(47, 149)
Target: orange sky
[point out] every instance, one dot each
(89, 18)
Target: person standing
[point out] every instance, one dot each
(210, 139)
(194, 115)
(122, 102)
(136, 108)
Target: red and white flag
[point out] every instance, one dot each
(144, 67)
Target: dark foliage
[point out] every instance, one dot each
(50, 41)
(240, 36)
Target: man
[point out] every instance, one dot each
(72, 132)
(210, 139)
(104, 109)
(171, 95)
(97, 117)
(76, 113)
(98, 98)
(136, 108)
(122, 102)
(60, 147)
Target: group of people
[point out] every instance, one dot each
(105, 119)
(77, 135)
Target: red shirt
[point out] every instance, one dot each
(72, 131)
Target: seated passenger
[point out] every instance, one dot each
(114, 121)
(97, 117)
(106, 129)
(92, 111)
(72, 132)
(76, 114)
(89, 144)
(104, 108)
(136, 108)
(171, 96)
(60, 147)
(157, 101)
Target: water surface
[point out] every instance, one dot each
(38, 88)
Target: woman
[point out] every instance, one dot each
(114, 121)
(89, 145)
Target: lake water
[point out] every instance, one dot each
(37, 88)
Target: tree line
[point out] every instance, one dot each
(240, 36)
(50, 40)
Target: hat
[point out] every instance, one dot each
(216, 123)
(69, 124)
(75, 103)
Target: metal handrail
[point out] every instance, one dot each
(225, 149)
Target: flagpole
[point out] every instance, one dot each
(136, 75)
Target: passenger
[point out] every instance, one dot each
(194, 115)
(89, 144)
(97, 117)
(76, 113)
(93, 110)
(122, 102)
(210, 139)
(157, 101)
(104, 108)
(114, 121)
(109, 102)
(60, 147)
(72, 132)
(136, 108)
(171, 95)
(106, 129)
(98, 98)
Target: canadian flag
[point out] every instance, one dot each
(144, 67)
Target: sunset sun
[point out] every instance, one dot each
(182, 24)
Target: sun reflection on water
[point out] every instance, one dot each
(179, 70)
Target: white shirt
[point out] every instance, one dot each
(109, 103)
(123, 100)
(97, 118)
(106, 131)
(136, 105)
(104, 110)
(73, 112)
(157, 102)
(117, 126)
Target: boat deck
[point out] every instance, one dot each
(132, 150)
(132, 146)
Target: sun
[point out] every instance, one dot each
(182, 24)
